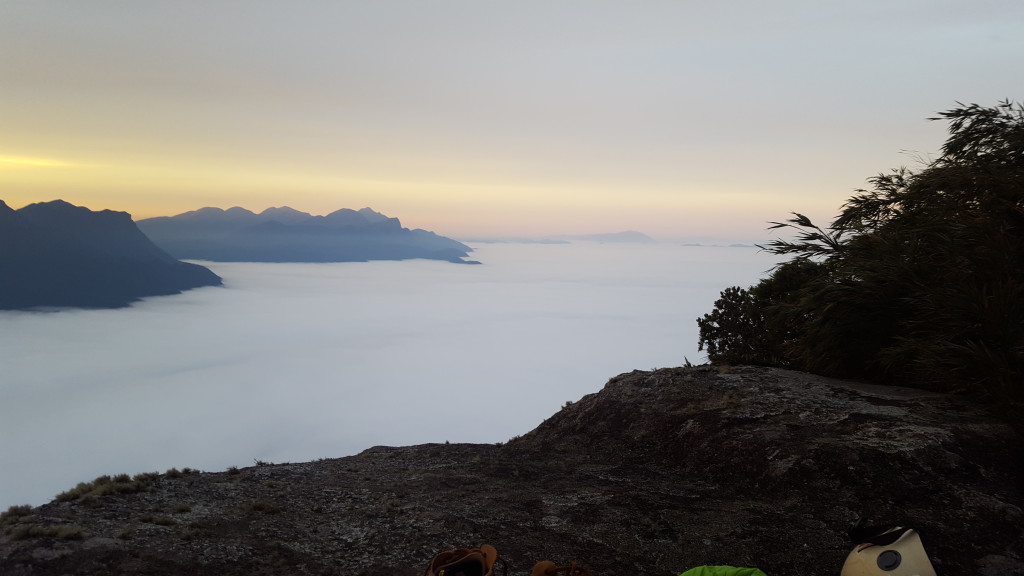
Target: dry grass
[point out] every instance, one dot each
(15, 514)
(90, 492)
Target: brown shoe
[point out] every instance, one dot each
(548, 568)
(464, 562)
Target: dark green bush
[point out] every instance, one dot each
(919, 281)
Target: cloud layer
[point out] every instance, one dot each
(292, 362)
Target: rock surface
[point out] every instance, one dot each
(659, 472)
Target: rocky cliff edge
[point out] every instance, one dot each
(658, 472)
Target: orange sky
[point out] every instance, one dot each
(677, 119)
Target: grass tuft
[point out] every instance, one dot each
(15, 514)
(89, 493)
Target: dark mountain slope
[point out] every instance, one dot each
(656, 473)
(54, 254)
(288, 235)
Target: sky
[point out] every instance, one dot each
(675, 118)
(294, 362)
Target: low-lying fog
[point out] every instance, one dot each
(294, 362)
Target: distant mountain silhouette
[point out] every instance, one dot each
(288, 235)
(55, 254)
(625, 236)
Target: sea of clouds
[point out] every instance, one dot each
(293, 362)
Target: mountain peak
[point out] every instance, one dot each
(283, 234)
(285, 215)
(275, 210)
(60, 204)
(59, 212)
(213, 213)
(57, 254)
(54, 206)
(372, 215)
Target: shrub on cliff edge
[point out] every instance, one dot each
(918, 281)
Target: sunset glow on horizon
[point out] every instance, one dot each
(22, 162)
(677, 119)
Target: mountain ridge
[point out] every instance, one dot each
(56, 255)
(284, 234)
